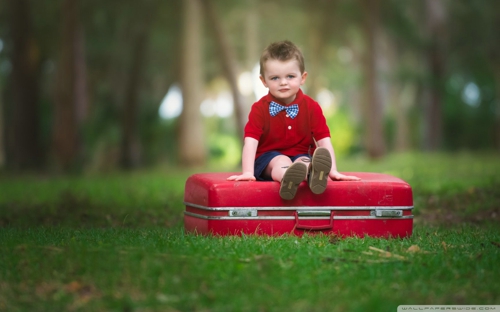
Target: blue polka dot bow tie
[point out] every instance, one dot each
(292, 110)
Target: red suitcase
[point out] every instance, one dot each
(379, 205)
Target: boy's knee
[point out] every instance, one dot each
(304, 159)
(282, 160)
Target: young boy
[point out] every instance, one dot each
(285, 126)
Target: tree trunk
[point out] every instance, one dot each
(251, 35)
(24, 148)
(497, 108)
(2, 127)
(494, 58)
(228, 62)
(433, 115)
(130, 144)
(315, 45)
(319, 30)
(401, 95)
(71, 98)
(192, 151)
(252, 52)
(374, 135)
(403, 102)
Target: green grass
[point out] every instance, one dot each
(116, 243)
(121, 199)
(157, 269)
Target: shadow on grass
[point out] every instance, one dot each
(477, 205)
(447, 191)
(78, 211)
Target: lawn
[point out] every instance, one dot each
(116, 243)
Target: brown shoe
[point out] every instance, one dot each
(321, 163)
(294, 175)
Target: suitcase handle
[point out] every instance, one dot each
(313, 227)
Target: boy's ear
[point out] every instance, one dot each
(263, 81)
(304, 76)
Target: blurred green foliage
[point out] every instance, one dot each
(332, 39)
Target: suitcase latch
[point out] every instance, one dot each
(243, 212)
(386, 213)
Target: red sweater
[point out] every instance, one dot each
(281, 133)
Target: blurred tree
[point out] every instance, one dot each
(321, 15)
(228, 62)
(493, 45)
(130, 152)
(2, 137)
(435, 13)
(131, 64)
(475, 46)
(415, 60)
(251, 48)
(3, 16)
(374, 140)
(2, 83)
(24, 148)
(403, 44)
(71, 104)
(252, 51)
(403, 96)
(192, 145)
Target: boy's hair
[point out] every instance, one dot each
(282, 51)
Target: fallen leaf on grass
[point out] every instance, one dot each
(334, 239)
(386, 253)
(379, 261)
(496, 244)
(21, 247)
(245, 260)
(378, 250)
(83, 292)
(53, 248)
(415, 248)
(45, 289)
(255, 258)
(262, 257)
(444, 246)
(330, 259)
(73, 287)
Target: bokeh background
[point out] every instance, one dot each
(96, 86)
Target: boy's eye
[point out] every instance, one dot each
(274, 78)
(291, 76)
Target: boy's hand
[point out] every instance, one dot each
(246, 176)
(337, 176)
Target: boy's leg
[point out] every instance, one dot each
(277, 167)
(290, 174)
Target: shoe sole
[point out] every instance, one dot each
(321, 164)
(294, 175)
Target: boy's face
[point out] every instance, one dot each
(283, 78)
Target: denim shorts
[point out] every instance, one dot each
(264, 160)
